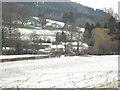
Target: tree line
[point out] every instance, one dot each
(13, 16)
(103, 40)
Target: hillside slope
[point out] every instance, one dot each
(55, 10)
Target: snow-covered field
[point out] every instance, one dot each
(29, 31)
(63, 72)
(49, 34)
(16, 56)
(43, 34)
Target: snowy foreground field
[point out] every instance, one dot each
(63, 72)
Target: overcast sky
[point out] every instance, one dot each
(100, 4)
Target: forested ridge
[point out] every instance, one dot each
(82, 14)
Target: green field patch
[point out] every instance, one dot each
(28, 35)
(31, 28)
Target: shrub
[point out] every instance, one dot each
(18, 49)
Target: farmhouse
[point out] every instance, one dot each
(51, 24)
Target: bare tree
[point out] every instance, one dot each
(42, 20)
(34, 37)
(71, 28)
(79, 38)
(9, 15)
(12, 13)
(23, 13)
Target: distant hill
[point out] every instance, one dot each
(55, 10)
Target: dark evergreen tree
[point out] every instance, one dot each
(112, 24)
(88, 34)
(106, 25)
(65, 17)
(87, 26)
(70, 17)
(98, 25)
(91, 28)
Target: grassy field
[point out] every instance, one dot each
(28, 35)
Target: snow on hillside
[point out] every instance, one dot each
(50, 22)
(29, 31)
(49, 34)
(57, 22)
(64, 72)
(45, 34)
(36, 18)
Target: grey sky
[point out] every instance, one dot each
(100, 4)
